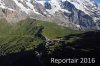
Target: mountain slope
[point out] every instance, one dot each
(51, 30)
(84, 14)
(81, 48)
(18, 37)
(28, 34)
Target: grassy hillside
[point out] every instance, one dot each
(19, 36)
(20, 41)
(86, 47)
(52, 30)
(28, 34)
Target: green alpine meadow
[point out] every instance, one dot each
(38, 41)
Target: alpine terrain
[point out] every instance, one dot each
(77, 14)
(33, 32)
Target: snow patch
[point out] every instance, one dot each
(2, 5)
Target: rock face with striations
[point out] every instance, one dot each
(77, 14)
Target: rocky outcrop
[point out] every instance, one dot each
(81, 15)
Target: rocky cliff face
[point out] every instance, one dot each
(77, 14)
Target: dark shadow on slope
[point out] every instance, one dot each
(19, 59)
(86, 47)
